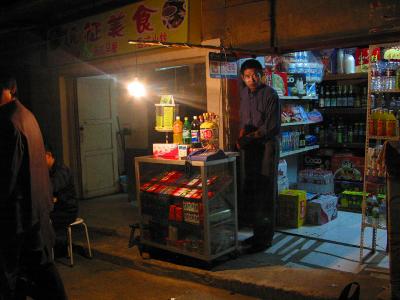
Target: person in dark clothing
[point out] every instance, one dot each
(27, 237)
(260, 119)
(65, 208)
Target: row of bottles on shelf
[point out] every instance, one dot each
(293, 140)
(338, 132)
(385, 101)
(203, 129)
(384, 122)
(342, 96)
(385, 75)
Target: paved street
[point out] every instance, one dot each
(97, 279)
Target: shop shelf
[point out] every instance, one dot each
(298, 98)
(298, 123)
(386, 138)
(342, 110)
(344, 145)
(293, 152)
(386, 91)
(335, 77)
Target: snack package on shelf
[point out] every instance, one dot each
(279, 81)
(316, 181)
(322, 210)
(293, 113)
(315, 116)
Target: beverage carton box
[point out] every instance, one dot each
(165, 151)
(183, 151)
(292, 208)
(322, 210)
(346, 166)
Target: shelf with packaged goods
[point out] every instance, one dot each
(297, 151)
(298, 98)
(299, 123)
(353, 76)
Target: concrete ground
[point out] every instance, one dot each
(98, 279)
(265, 275)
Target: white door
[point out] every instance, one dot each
(98, 150)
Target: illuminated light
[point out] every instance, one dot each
(136, 89)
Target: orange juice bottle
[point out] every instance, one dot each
(372, 123)
(381, 123)
(177, 131)
(391, 124)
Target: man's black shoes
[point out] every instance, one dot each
(251, 245)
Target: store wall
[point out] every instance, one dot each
(335, 23)
(238, 23)
(132, 115)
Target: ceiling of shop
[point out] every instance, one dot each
(32, 15)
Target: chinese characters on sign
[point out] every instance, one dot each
(108, 33)
(116, 25)
(141, 17)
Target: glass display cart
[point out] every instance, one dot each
(188, 208)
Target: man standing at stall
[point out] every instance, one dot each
(26, 265)
(260, 119)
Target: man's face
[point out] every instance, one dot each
(5, 96)
(251, 78)
(49, 159)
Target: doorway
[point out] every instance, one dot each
(97, 136)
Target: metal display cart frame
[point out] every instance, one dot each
(202, 168)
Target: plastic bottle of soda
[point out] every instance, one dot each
(177, 131)
(391, 124)
(195, 130)
(187, 139)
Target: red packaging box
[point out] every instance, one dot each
(171, 215)
(165, 151)
(348, 167)
(179, 214)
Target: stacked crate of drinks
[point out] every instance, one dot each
(339, 132)
(342, 95)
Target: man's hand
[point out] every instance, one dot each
(255, 134)
(241, 134)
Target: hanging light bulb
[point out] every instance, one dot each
(136, 89)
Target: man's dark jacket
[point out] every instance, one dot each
(25, 191)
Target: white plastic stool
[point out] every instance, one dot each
(78, 221)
